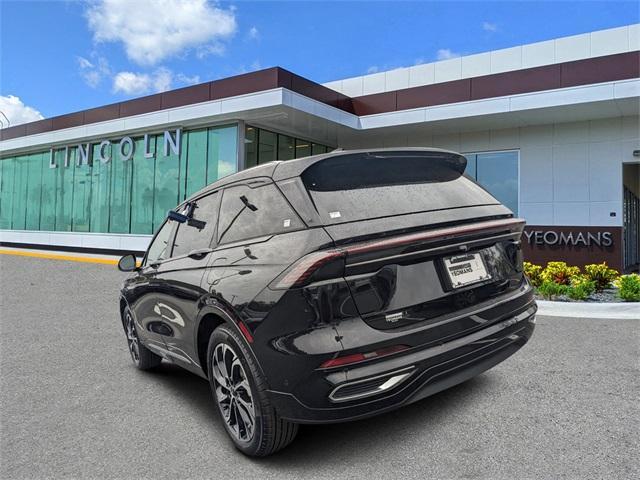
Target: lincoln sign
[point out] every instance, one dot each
(123, 149)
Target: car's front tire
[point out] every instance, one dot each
(239, 390)
(142, 357)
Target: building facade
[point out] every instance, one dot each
(551, 129)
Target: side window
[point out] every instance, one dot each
(253, 212)
(190, 237)
(160, 247)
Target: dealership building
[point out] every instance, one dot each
(550, 128)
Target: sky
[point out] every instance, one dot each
(61, 56)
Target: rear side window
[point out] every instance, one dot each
(363, 186)
(189, 237)
(254, 212)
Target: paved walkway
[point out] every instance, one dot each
(623, 310)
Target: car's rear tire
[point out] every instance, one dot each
(239, 391)
(142, 357)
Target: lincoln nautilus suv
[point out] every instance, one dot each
(330, 288)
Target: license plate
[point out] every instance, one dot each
(465, 269)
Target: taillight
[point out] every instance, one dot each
(361, 357)
(301, 271)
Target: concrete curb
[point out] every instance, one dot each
(622, 311)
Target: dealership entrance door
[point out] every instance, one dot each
(631, 215)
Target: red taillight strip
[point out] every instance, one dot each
(440, 233)
(361, 357)
(300, 271)
(304, 267)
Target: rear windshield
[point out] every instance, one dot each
(358, 187)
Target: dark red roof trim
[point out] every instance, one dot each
(581, 72)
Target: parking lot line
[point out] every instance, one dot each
(53, 256)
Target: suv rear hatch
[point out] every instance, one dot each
(419, 240)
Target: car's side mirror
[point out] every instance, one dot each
(178, 217)
(128, 263)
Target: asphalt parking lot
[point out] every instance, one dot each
(73, 405)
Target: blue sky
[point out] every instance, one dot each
(62, 56)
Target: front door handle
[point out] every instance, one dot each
(200, 253)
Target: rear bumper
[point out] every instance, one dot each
(430, 371)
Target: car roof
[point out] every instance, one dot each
(280, 170)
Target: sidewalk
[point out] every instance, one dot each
(623, 310)
(60, 255)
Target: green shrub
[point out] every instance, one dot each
(550, 290)
(581, 287)
(601, 275)
(533, 273)
(559, 272)
(629, 287)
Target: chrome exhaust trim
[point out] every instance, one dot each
(368, 387)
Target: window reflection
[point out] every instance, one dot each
(262, 146)
(119, 196)
(498, 172)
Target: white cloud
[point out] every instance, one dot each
(489, 27)
(254, 34)
(446, 54)
(161, 80)
(372, 69)
(152, 30)
(131, 83)
(211, 49)
(93, 72)
(16, 111)
(182, 78)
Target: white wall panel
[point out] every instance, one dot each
(571, 213)
(537, 213)
(605, 171)
(536, 174)
(537, 54)
(572, 48)
(572, 132)
(421, 75)
(448, 70)
(608, 42)
(397, 79)
(506, 60)
(570, 173)
(600, 213)
(476, 65)
(373, 83)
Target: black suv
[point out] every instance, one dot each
(330, 288)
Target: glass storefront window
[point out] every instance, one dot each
(317, 149)
(222, 156)
(262, 146)
(266, 146)
(303, 148)
(117, 196)
(286, 147)
(250, 147)
(498, 172)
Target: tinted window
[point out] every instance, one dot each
(253, 212)
(358, 187)
(159, 248)
(189, 237)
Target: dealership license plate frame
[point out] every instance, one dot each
(478, 273)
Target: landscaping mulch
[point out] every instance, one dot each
(608, 295)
